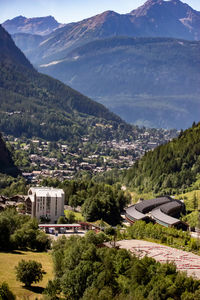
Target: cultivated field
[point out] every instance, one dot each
(8, 261)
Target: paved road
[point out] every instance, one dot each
(185, 261)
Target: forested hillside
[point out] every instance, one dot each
(169, 168)
(148, 82)
(85, 271)
(33, 104)
(6, 163)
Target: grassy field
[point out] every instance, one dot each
(135, 196)
(8, 261)
(78, 216)
(189, 199)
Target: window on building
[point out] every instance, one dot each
(56, 206)
(40, 203)
(48, 208)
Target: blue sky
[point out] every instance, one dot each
(66, 11)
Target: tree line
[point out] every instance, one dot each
(21, 232)
(169, 168)
(85, 271)
(98, 200)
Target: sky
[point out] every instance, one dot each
(66, 11)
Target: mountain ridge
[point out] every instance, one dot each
(153, 19)
(134, 85)
(37, 105)
(37, 25)
(137, 78)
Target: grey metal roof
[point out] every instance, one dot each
(147, 205)
(134, 213)
(160, 209)
(159, 215)
(172, 207)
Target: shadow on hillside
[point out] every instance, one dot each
(17, 252)
(34, 289)
(12, 252)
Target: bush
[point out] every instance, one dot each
(5, 293)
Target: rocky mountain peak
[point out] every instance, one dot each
(174, 7)
(39, 25)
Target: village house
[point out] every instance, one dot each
(45, 203)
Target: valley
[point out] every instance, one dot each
(99, 130)
(142, 65)
(38, 158)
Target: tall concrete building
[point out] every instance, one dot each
(45, 202)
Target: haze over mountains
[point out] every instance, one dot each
(35, 105)
(136, 78)
(156, 18)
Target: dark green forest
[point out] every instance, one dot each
(85, 271)
(35, 105)
(98, 200)
(7, 165)
(169, 168)
(19, 231)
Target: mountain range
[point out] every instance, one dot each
(35, 105)
(38, 26)
(156, 18)
(147, 81)
(113, 59)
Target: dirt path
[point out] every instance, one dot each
(185, 261)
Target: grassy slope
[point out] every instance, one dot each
(77, 215)
(8, 261)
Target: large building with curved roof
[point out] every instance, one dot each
(163, 210)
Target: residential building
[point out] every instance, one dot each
(45, 202)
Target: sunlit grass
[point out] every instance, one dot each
(8, 261)
(77, 215)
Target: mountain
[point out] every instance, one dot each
(169, 168)
(147, 81)
(9, 53)
(38, 26)
(172, 18)
(33, 104)
(137, 79)
(6, 163)
(156, 18)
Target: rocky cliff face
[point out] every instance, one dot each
(167, 18)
